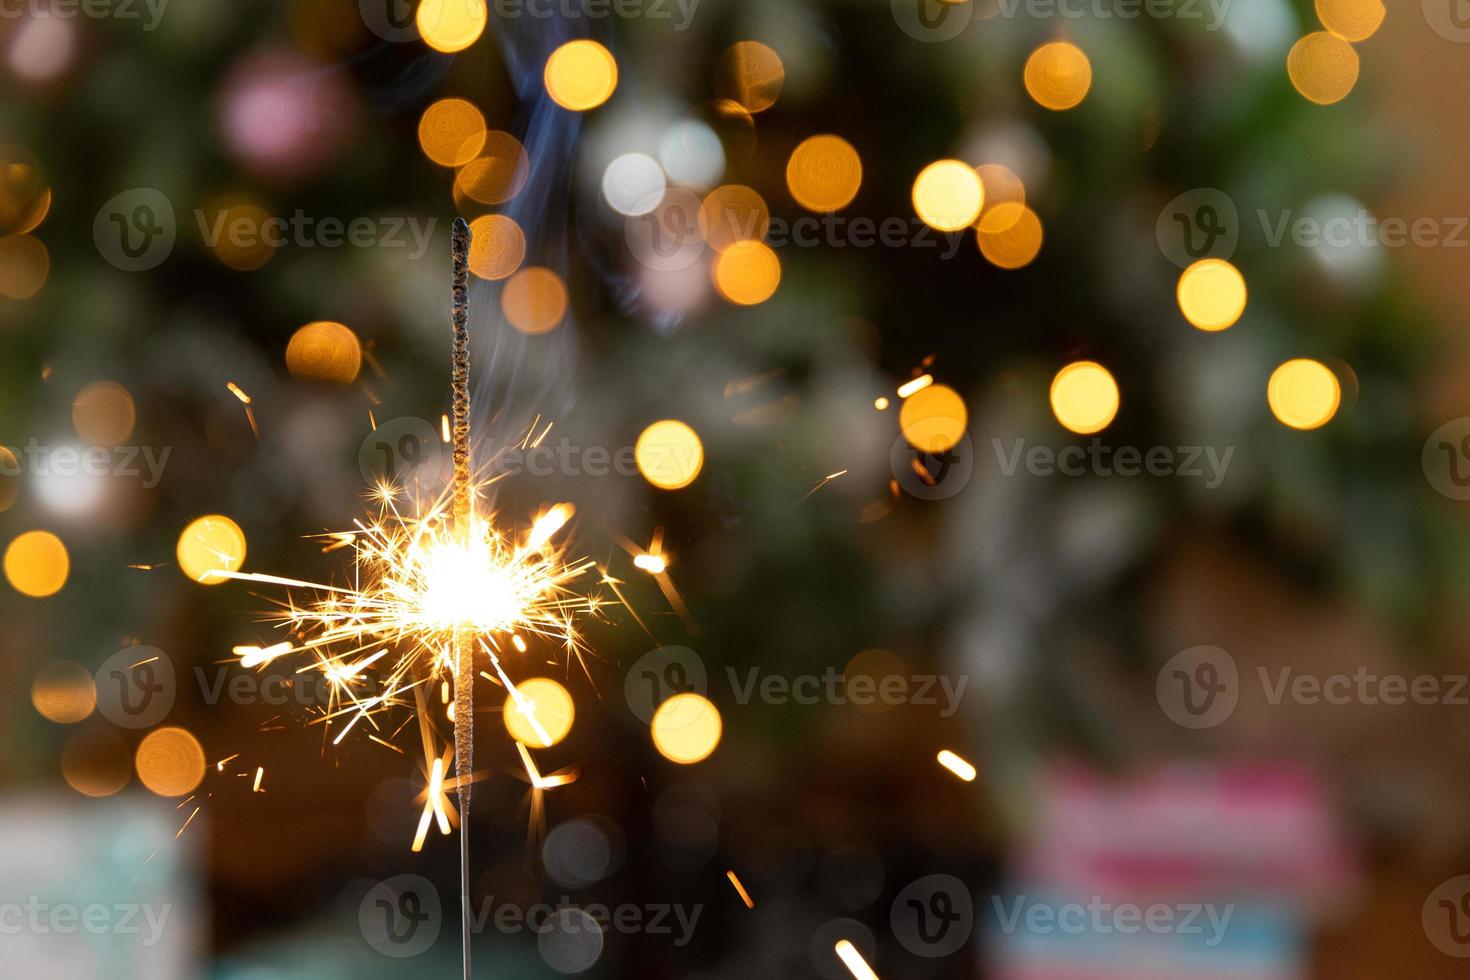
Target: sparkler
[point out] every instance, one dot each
(432, 584)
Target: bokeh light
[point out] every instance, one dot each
(633, 184)
(669, 454)
(824, 173)
(64, 692)
(244, 241)
(324, 351)
(24, 266)
(211, 545)
(1009, 235)
(498, 246)
(581, 75)
(1084, 397)
(1351, 20)
(686, 728)
(948, 195)
(1211, 294)
(552, 706)
(452, 132)
(451, 25)
(25, 196)
(1303, 394)
(103, 413)
(1058, 75)
(733, 213)
(534, 300)
(933, 419)
(1001, 185)
(95, 762)
(747, 273)
(497, 174)
(1323, 67)
(751, 75)
(692, 154)
(36, 564)
(170, 762)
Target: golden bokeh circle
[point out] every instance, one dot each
(209, 546)
(933, 419)
(36, 564)
(948, 195)
(1211, 294)
(451, 25)
(1323, 67)
(1009, 235)
(581, 75)
(103, 413)
(452, 132)
(498, 246)
(534, 300)
(686, 728)
(549, 702)
(733, 213)
(669, 454)
(824, 173)
(1351, 20)
(170, 762)
(64, 692)
(95, 762)
(1303, 394)
(1001, 185)
(324, 351)
(497, 174)
(1058, 75)
(1084, 397)
(747, 273)
(750, 74)
(24, 266)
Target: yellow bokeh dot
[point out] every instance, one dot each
(1323, 67)
(750, 74)
(1351, 20)
(95, 762)
(497, 174)
(24, 266)
(451, 25)
(497, 247)
(1001, 186)
(170, 762)
(747, 273)
(948, 195)
(733, 213)
(581, 75)
(551, 706)
(1084, 397)
(1303, 394)
(36, 564)
(933, 419)
(209, 546)
(1009, 235)
(1058, 75)
(824, 173)
(103, 413)
(686, 728)
(669, 454)
(324, 351)
(534, 300)
(1211, 294)
(244, 242)
(64, 692)
(452, 132)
